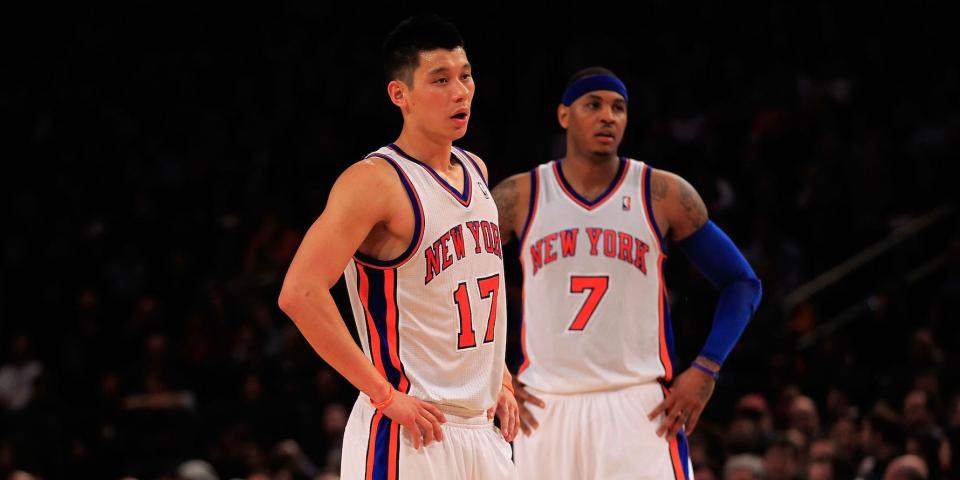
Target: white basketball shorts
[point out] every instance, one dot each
(377, 448)
(598, 435)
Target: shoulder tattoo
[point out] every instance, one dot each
(505, 196)
(658, 186)
(693, 207)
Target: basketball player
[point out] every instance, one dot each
(414, 229)
(598, 380)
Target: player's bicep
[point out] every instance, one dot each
(684, 209)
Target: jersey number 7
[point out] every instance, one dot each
(597, 287)
(488, 286)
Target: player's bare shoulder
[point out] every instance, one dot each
(677, 203)
(372, 172)
(512, 196)
(370, 187)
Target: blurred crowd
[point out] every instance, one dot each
(171, 163)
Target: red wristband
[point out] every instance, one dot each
(385, 403)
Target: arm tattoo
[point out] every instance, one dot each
(658, 186)
(693, 206)
(505, 196)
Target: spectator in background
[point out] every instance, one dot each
(781, 461)
(821, 469)
(18, 375)
(803, 417)
(846, 439)
(881, 439)
(744, 467)
(290, 461)
(925, 438)
(754, 406)
(918, 415)
(751, 429)
(196, 470)
(704, 472)
(819, 449)
(906, 467)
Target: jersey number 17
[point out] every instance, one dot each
(489, 287)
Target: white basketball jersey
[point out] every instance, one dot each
(594, 310)
(433, 320)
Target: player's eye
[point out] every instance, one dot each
(441, 81)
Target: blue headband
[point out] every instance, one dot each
(591, 83)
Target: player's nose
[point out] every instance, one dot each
(606, 114)
(462, 92)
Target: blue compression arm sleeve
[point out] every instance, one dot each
(715, 255)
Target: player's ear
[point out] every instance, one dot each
(563, 115)
(397, 92)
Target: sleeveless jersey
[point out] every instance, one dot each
(432, 321)
(594, 309)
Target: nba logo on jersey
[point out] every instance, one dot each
(626, 203)
(483, 188)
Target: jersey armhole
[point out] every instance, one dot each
(418, 222)
(648, 208)
(532, 209)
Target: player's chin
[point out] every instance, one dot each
(603, 152)
(604, 148)
(458, 133)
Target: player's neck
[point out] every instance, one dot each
(587, 172)
(431, 151)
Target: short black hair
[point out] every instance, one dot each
(425, 32)
(589, 72)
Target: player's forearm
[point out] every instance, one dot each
(316, 316)
(735, 306)
(715, 255)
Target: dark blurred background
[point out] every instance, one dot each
(162, 162)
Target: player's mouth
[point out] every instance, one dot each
(460, 116)
(605, 138)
